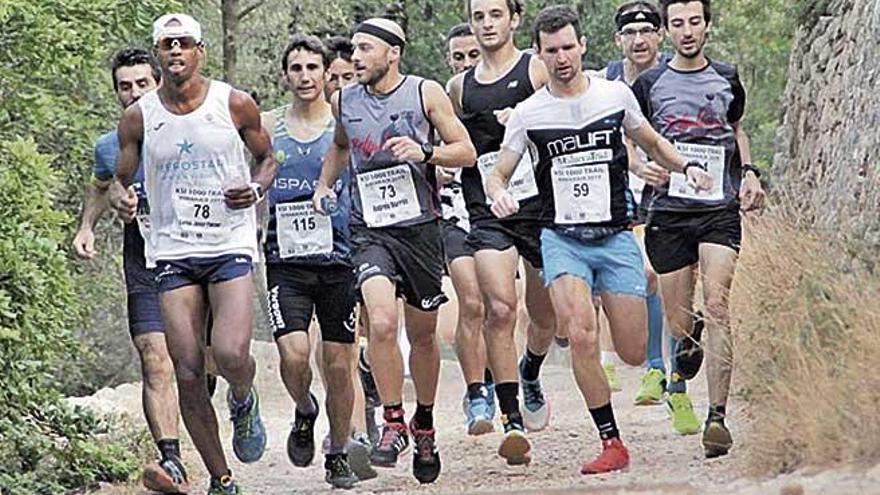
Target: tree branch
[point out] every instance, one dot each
(250, 8)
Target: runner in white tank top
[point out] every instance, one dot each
(193, 132)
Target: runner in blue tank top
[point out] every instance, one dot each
(308, 263)
(386, 125)
(134, 73)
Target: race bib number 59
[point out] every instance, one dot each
(581, 189)
(388, 196)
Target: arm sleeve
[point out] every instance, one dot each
(515, 138)
(633, 118)
(106, 152)
(738, 106)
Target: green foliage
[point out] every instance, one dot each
(55, 99)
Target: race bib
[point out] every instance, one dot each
(581, 188)
(201, 215)
(712, 160)
(522, 184)
(388, 196)
(302, 232)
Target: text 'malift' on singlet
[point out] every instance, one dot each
(387, 192)
(188, 161)
(582, 159)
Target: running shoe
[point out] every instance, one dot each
(614, 457)
(166, 476)
(536, 408)
(490, 399)
(688, 353)
(477, 413)
(611, 376)
(515, 448)
(371, 392)
(426, 458)
(248, 436)
(717, 440)
(684, 421)
(223, 485)
(652, 388)
(338, 473)
(394, 441)
(301, 440)
(358, 449)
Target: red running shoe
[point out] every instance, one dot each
(614, 457)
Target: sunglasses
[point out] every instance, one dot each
(632, 33)
(185, 43)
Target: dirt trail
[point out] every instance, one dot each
(662, 462)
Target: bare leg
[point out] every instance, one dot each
(340, 394)
(717, 266)
(424, 358)
(158, 394)
(470, 344)
(385, 359)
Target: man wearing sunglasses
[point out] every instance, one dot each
(192, 134)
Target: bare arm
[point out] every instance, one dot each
(94, 204)
(457, 150)
(335, 160)
(246, 116)
(503, 203)
(538, 73)
(665, 154)
(751, 194)
(454, 86)
(131, 135)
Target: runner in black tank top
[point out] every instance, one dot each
(486, 96)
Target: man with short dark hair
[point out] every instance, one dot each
(699, 104)
(462, 50)
(340, 73)
(485, 95)
(385, 124)
(192, 134)
(575, 128)
(135, 72)
(308, 265)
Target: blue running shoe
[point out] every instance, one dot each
(249, 436)
(479, 421)
(536, 408)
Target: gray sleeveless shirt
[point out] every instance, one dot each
(387, 192)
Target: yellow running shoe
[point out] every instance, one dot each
(684, 421)
(611, 376)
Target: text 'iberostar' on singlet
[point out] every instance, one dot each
(479, 102)
(696, 110)
(582, 160)
(296, 234)
(387, 192)
(188, 161)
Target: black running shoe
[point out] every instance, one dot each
(426, 458)
(371, 392)
(301, 441)
(394, 441)
(337, 471)
(689, 352)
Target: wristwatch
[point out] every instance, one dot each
(428, 150)
(257, 189)
(748, 167)
(692, 163)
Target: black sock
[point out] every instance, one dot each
(717, 413)
(424, 417)
(531, 366)
(394, 414)
(487, 376)
(507, 397)
(475, 390)
(603, 417)
(169, 447)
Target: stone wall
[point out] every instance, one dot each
(827, 165)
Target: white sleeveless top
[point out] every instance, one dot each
(188, 161)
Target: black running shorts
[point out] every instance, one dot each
(298, 292)
(672, 239)
(455, 242)
(525, 235)
(411, 257)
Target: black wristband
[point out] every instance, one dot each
(748, 167)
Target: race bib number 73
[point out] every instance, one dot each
(388, 196)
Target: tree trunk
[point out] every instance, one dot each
(229, 11)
